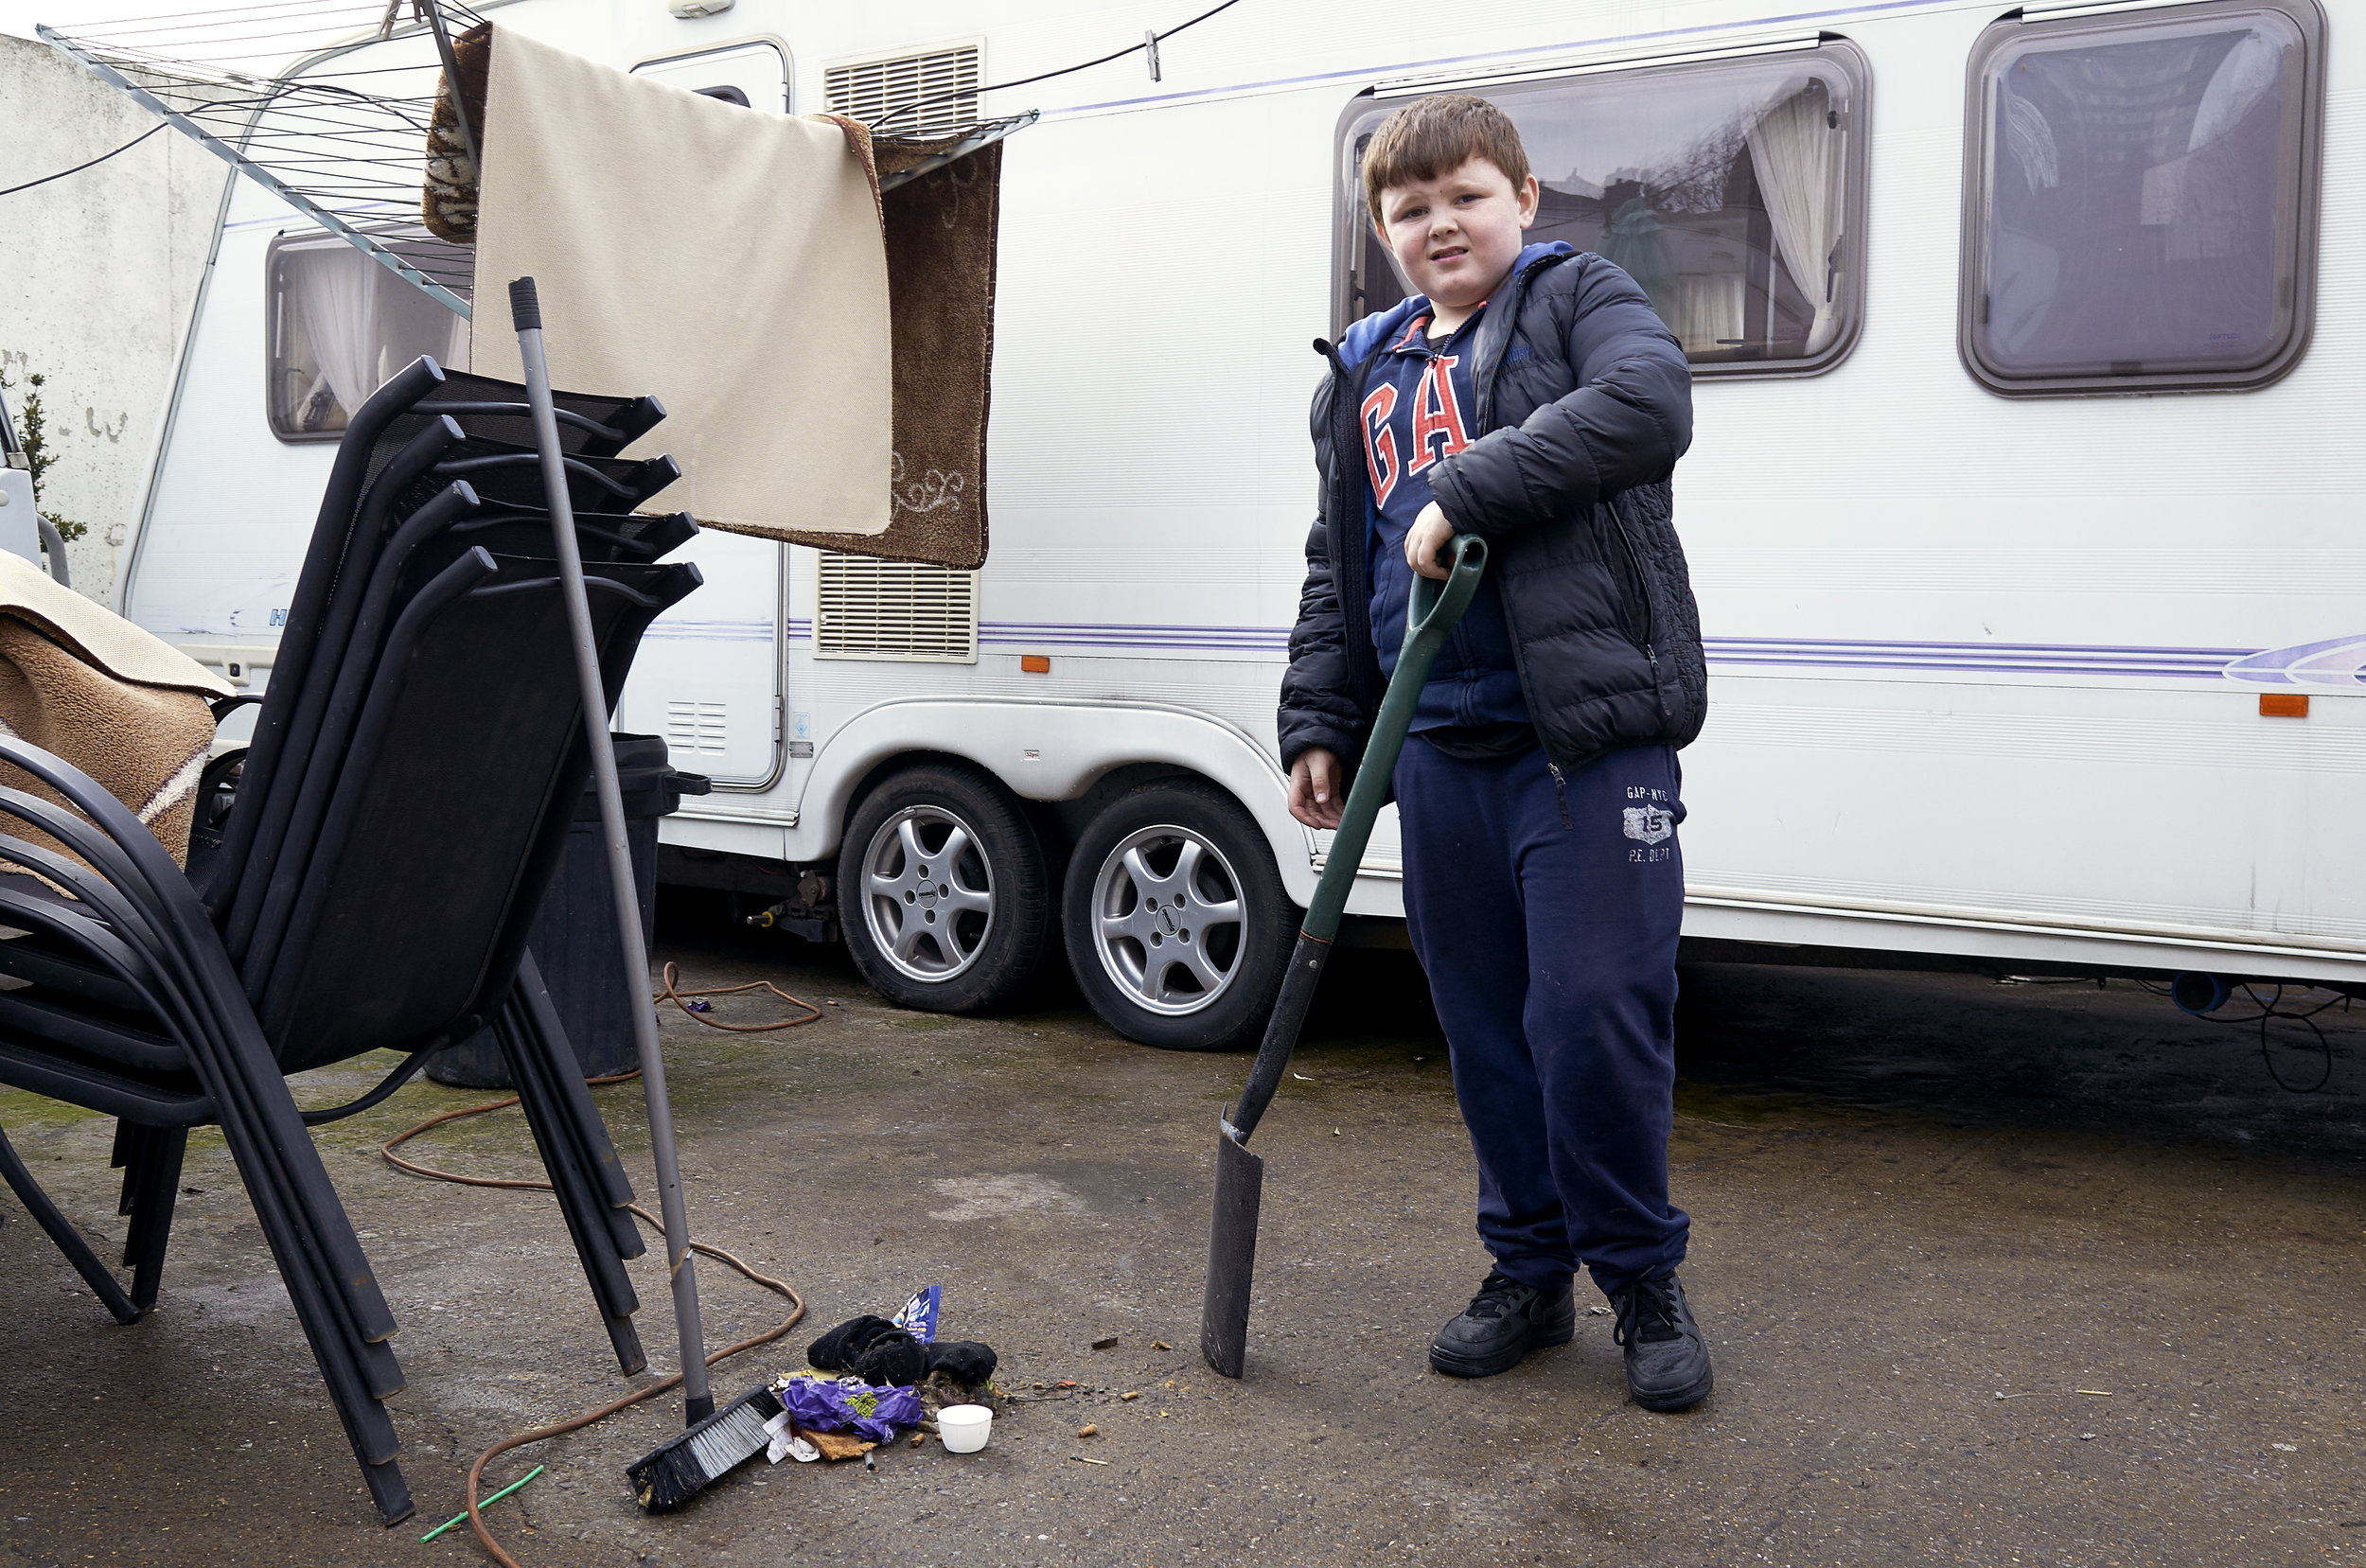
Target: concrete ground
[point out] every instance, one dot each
(1929, 1214)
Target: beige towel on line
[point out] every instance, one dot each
(729, 263)
(93, 690)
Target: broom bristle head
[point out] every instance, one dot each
(676, 1472)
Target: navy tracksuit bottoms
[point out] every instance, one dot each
(1547, 922)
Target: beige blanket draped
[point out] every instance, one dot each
(727, 261)
(89, 687)
(735, 191)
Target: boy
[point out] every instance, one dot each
(1528, 394)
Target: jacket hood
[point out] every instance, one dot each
(1359, 340)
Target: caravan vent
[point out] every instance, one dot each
(866, 89)
(693, 726)
(871, 608)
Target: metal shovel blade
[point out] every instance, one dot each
(1241, 1175)
(1231, 1254)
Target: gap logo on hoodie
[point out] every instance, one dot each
(1420, 406)
(1413, 415)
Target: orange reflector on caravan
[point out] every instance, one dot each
(2284, 705)
(1040, 663)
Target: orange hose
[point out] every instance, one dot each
(577, 1424)
(680, 999)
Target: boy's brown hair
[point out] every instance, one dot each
(1437, 136)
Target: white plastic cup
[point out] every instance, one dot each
(964, 1428)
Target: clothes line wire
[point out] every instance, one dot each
(1046, 75)
(77, 168)
(157, 35)
(121, 23)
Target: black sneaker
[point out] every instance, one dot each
(1504, 1322)
(1668, 1363)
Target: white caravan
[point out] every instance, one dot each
(2022, 509)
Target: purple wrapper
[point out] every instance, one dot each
(850, 1406)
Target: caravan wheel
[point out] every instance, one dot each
(1178, 923)
(942, 892)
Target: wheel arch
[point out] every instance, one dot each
(1055, 754)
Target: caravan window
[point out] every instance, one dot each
(339, 325)
(1732, 191)
(2140, 198)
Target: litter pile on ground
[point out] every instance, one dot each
(874, 1379)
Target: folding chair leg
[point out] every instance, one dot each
(119, 1158)
(130, 1145)
(138, 1149)
(579, 1198)
(150, 1229)
(389, 1492)
(338, 1350)
(533, 1000)
(69, 1241)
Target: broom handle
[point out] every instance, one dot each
(1435, 609)
(526, 312)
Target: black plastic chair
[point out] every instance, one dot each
(144, 1064)
(418, 401)
(467, 762)
(314, 711)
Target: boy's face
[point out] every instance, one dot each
(1456, 236)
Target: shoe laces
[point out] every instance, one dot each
(1499, 1293)
(1649, 1311)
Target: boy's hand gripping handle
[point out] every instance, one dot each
(1435, 607)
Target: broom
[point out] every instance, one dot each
(673, 1472)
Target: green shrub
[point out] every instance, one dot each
(32, 428)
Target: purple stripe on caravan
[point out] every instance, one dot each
(2105, 648)
(1101, 634)
(1966, 666)
(1119, 637)
(1800, 653)
(2010, 658)
(2336, 662)
(712, 631)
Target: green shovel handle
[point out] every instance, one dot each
(1436, 606)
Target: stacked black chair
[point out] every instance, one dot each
(388, 835)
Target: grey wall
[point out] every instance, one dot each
(99, 273)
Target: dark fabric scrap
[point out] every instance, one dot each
(964, 1360)
(838, 1350)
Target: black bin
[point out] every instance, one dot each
(575, 937)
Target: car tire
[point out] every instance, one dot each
(957, 932)
(1185, 958)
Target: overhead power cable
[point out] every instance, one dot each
(77, 168)
(1150, 40)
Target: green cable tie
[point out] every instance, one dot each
(462, 1516)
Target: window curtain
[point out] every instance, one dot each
(1796, 153)
(336, 298)
(1704, 310)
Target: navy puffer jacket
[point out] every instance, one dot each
(1585, 406)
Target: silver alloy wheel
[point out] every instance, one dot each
(928, 894)
(1168, 916)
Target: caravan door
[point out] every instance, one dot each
(709, 676)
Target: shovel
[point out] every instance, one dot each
(1241, 1175)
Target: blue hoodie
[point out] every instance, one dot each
(1476, 680)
